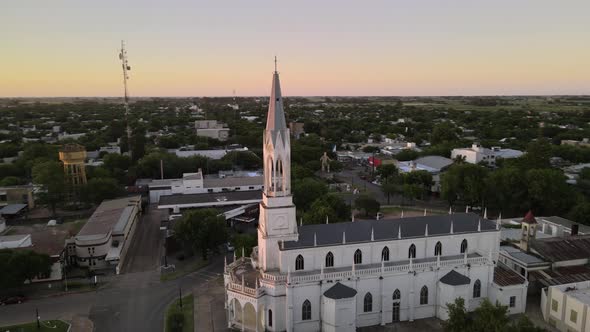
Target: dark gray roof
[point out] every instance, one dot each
(387, 229)
(229, 197)
(455, 278)
(339, 291)
(12, 209)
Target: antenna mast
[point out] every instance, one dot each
(126, 68)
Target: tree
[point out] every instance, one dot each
(389, 173)
(245, 159)
(306, 191)
(201, 230)
(367, 203)
(50, 175)
(580, 212)
(20, 266)
(417, 184)
(407, 154)
(443, 132)
(246, 241)
(459, 319)
(464, 182)
(506, 190)
(486, 318)
(548, 193)
(100, 189)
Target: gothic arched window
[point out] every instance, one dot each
(463, 246)
(269, 317)
(368, 303)
(397, 295)
(412, 251)
(299, 263)
(385, 254)
(438, 249)
(358, 257)
(424, 295)
(477, 289)
(330, 259)
(306, 310)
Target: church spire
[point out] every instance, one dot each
(275, 120)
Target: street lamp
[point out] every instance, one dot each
(38, 318)
(180, 296)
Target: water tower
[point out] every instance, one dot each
(73, 157)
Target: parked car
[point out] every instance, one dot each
(12, 300)
(174, 217)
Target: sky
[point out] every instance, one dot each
(324, 47)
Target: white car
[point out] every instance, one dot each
(174, 217)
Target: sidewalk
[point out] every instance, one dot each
(209, 310)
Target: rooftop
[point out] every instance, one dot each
(521, 256)
(387, 229)
(505, 277)
(339, 291)
(435, 162)
(455, 278)
(12, 209)
(555, 249)
(230, 197)
(233, 181)
(107, 216)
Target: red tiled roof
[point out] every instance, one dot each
(506, 277)
(529, 218)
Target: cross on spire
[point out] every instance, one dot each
(275, 63)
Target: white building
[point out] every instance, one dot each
(477, 153)
(195, 183)
(103, 241)
(337, 277)
(567, 307)
(434, 165)
(212, 129)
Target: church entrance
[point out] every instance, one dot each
(395, 312)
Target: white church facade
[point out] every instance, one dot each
(340, 276)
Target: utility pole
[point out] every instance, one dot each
(126, 68)
(38, 318)
(180, 296)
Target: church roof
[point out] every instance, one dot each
(339, 291)
(387, 229)
(275, 119)
(455, 278)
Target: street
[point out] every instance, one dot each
(133, 301)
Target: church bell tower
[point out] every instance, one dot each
(277, 212)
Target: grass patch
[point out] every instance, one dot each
(46, 326)
(184, 269)
(10, 231)
(174, 322)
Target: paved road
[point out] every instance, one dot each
(146, 247)
(132, 302)
(351, 176)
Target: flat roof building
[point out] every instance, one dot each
(103, 241)
(567, 307)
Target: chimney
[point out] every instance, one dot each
(575, 229)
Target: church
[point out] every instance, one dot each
(341, 276)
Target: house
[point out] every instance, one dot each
(434, 165)
(477, 154)
(212, 129)
(17, 195)
(567, 307)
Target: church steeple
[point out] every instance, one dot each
(277, 212)
(275, 119)
(277, 150)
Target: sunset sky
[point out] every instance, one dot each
(210, 48)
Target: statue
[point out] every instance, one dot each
(325, 162)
